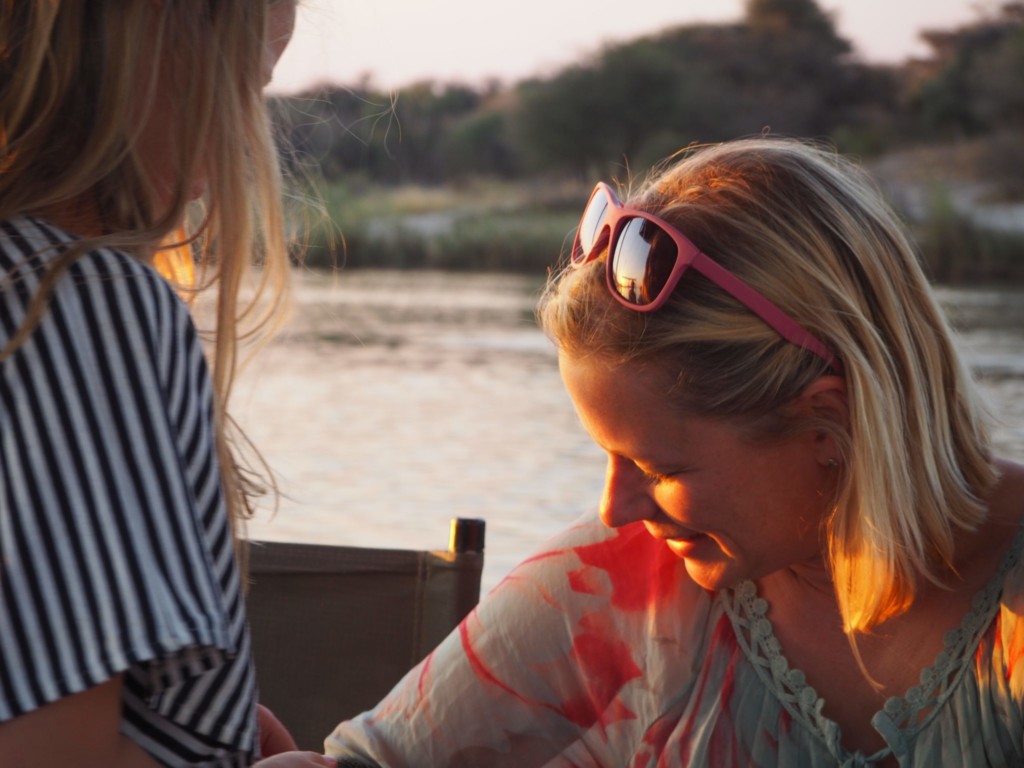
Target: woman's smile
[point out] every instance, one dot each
(739, 510)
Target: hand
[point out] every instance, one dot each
(298, 760)
(274, 737)
(279, 746)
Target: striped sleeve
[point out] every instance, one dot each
(115, 550)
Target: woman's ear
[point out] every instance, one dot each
(825, 399)
(825, 396)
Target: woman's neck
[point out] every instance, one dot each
(78, 217)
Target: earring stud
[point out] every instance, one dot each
(831, 463)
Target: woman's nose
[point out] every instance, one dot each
(626, 498)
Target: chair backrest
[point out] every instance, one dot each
(335, 628)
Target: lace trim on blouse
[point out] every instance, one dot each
(909, 713)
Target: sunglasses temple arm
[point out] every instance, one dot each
(783, 324)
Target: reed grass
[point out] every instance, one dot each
(957, 250)
(527, 227)
(485, 226)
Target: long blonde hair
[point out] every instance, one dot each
(77, 80)
(808, 230)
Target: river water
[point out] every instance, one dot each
(394, 401)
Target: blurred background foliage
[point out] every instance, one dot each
(453, 176)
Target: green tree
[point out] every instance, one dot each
(478, 145)
(627, 103)
(341, 131)
(796, 68)
(784, 69)
(973, 85)
(425, 112)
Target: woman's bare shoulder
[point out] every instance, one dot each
(1005, 524)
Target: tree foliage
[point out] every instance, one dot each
(974, 76)
(782, 68)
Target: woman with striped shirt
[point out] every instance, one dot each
(123, 638)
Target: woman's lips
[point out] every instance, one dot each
(684, 542)
(690, 545)
(672, 533)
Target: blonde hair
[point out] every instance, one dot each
(77, 81)
(808, 230)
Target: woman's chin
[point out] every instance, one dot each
(713, 575)
(710, 560)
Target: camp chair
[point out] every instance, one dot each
(335, 628)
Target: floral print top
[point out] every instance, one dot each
(600, 651)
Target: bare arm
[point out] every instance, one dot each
(81, 730)
(84, 731)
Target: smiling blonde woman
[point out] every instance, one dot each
(805, 553)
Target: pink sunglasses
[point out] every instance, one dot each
(648, 256)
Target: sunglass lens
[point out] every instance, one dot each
(642, 262)
(591, 226)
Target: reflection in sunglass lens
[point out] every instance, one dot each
(643, 259)
(590, 227)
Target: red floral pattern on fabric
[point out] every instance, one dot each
(606, 664)
(600, 652)
(643, 571)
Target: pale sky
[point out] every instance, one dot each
(398, 42)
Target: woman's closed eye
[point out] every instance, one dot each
(657, 477)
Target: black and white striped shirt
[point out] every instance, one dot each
(116, 554)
